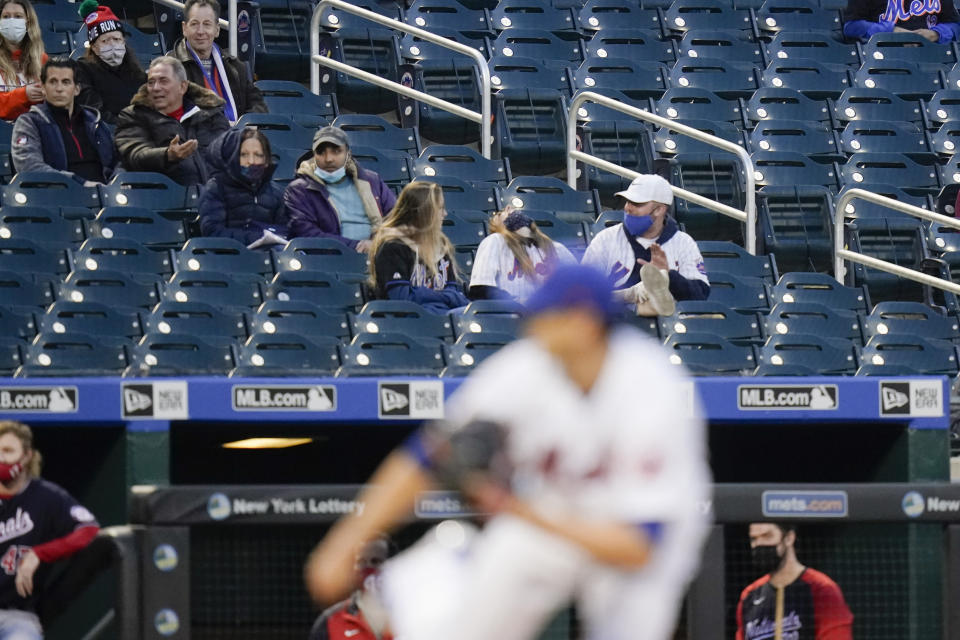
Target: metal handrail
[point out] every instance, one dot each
(483, 118)
(747, 216)
(840, 253)
(230, 25)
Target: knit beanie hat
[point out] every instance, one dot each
(99, 19)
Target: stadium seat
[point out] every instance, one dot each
(910, 318)
(861, 208)
(142, 225)
(332, 18)
(537, 43)
(889, 168)
(403, 317)
(322, 254)
(284, 355)
(74, 355)
(222, 254)
(534, 14)
(795, 224)
(813, 139)
(729, 79)
(393, 167)
(321, 288)
(471, 349)
(868, 136)
(463, 232)
(16, 321)
(786, 168)
(636, 44)
(806, 45)
(41, 225)
(813, 319)
(48, 189)
(279, 128)
(691, 103)
(627, 144)
(216, 288)
(775, 16)
(907, 46)
(908, 80)
(515, 72)
(384, 354)
(92, 318)
(899, 240)
(569, 234)
(491, 316)
(600, 15)
(373, 50)
(740, 294)
(448, 14)
(608, 218)
(875, 104)
(454, 78)
(772, 103)
(148, 190)
(815, 79)
(717, 176)
(943, 107)
(460, 194)
(719, 44)
(292, 98)
(461, 162)
(635, 79)
(714, 318)
(118, 254)
(113, 288)
(591, 112)
(669, 143)
(25, 256)
(11, 354)
(824, 355)
(20, 290)
(796, 287)
(550, 194)
(684, 15)
(298, 317)
(923, 355)
(180, 354)
(56, 43)
(413, 48)
(195, 318)
(708, 354)
(733, 259)
(373, 131)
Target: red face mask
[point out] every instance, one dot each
(9, 472)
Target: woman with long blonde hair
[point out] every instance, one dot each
(21, 58)
(412, 259)
(514, 259)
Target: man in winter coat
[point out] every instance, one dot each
(170, 124)
(60, 136)
(332, 197)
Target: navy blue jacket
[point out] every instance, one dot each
(38, 144)
(231, 206)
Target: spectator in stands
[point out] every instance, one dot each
(332, 197)
(109, 72)
(170, 125)
(209, 67)
(60, 135)
(935, 21)
(21, 58)
(43, 524)
(789, 595)
(361, 616)
(651, 263)
(515, 258)
(412, 258)
(240, 201)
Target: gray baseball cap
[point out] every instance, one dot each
(333, 135)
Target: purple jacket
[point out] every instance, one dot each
(309, 209)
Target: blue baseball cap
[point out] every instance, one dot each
(572, 287)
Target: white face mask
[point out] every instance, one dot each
(113, 54)
(13, 29)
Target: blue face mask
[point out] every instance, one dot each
(637, 225)
(253, 172)
(331, 176)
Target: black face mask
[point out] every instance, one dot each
(765, 559)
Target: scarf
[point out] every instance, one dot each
(217, 82)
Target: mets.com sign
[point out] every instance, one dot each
(804, 504)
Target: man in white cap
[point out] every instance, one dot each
(650, 262)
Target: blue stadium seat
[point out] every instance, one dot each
(946, 140)
(57, 43)
(813, 319)
(283, 355)
(299, 317)
(471, 349)
(534, 14)
(332, 18)
(148, 190)
(714, 318)
(772, 103)
(910, 318)
(875, 104)
(908, 80)
(454, 78)
(537, 43)
(448, 14)
(635, 79)
(20, 290)
(384, 354)
(733, 259)
(719, 44)
(11, 354)
(717, 176)
(414, 49)
(291, 98)
(635, 44)
(373, 131)
(74, 355)
(24, 256)
(795, 224)
(530, 129)
(550, 194)
(628, 144)
(180, 354)
(786, 168)
(279, 128)
(47, 189)
(516, 72)
(222, 254)
(112, 288)
(491, 316)
(942, 107)
(786, 370)
(215, 288)
(608, 218)
(815, 79)
(460, 194)
(708, 354)
(691, 103)
(775, 16)
(824, 355)
(889, 168)
(820, 288)
(322, 254)
(142, 225)
(402, 317)
(393, 167)
(684, 15)
(669, 143)
(923, 355)
(740, 294)
(373, 50)
(195, 318)
(813, 139)
(461, 162)
(899, 240)
(17, 322)
(600, 15)
(865, 136)
(92, 318)
(861, 208)
(907, 46)
(570, 234)
(320, 288)
(463, 232)
(787, 46)
(119, 254)
(41, 225)
(729, 79)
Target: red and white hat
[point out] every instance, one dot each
(99, 20)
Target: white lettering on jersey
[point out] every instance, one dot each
(16, 526)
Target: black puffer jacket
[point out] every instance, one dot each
(143, 134)
(108, 89)
(231, 206)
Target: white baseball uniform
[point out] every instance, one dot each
(496, 266)
(611, 253)
(632, 450)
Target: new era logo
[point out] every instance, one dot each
(895, 398)
(138, 400)
(395, 399)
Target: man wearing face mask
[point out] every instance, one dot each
(109, 71)
(43, 524)
(332, 197)
(60, 136)
(361, 616)
(650, 262)
(790, 601)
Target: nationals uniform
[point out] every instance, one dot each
(614, 252)
(811, 608)
(496, 266)
(631, 450)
